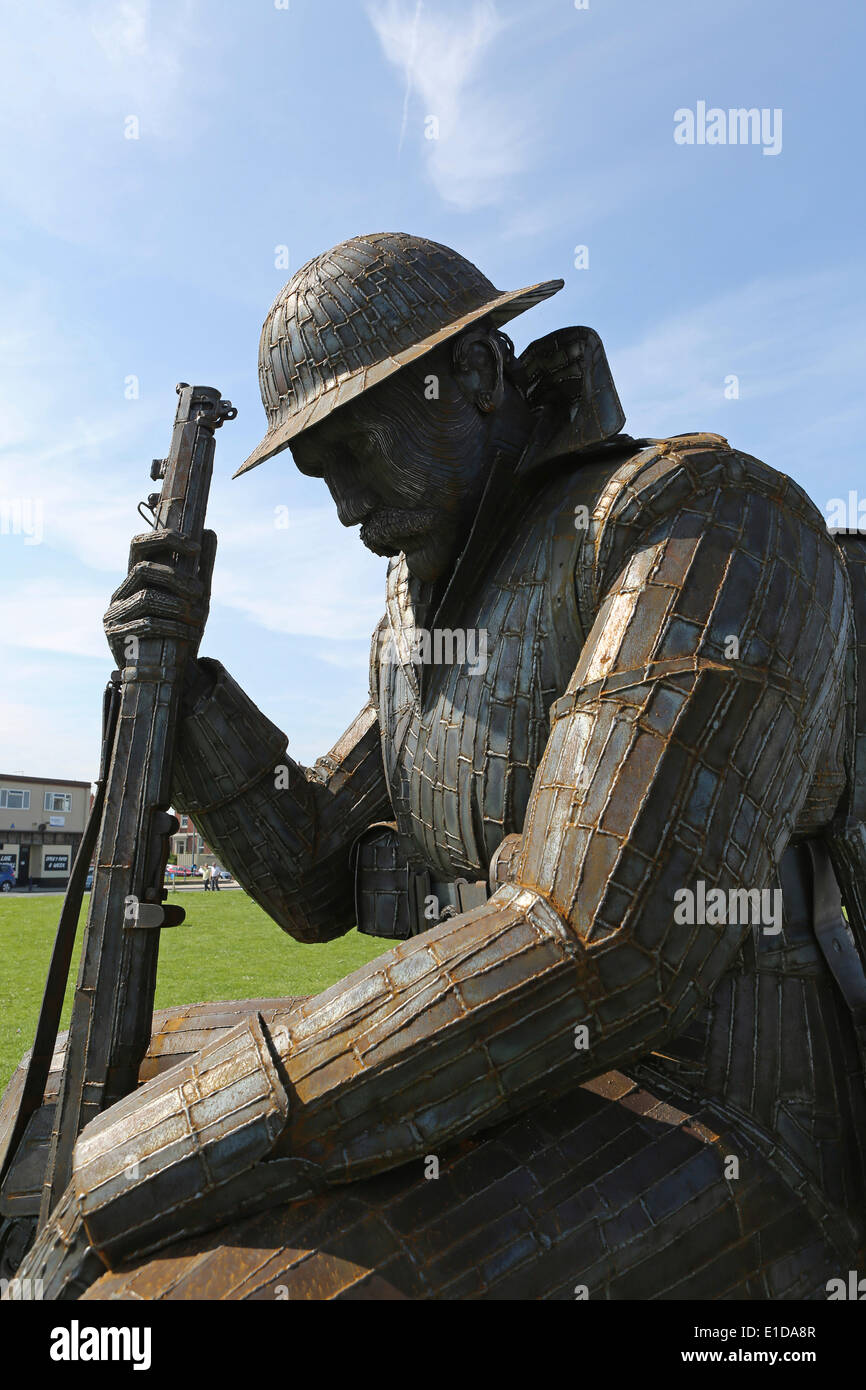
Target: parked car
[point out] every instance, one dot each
(7, 878)
(223, 874)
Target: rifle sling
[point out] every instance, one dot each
(39, 1065)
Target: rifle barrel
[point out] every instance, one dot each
(113, 1007)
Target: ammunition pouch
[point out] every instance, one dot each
(396, 899)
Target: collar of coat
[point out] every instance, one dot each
(567, 382)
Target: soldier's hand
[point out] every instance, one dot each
(153, 600)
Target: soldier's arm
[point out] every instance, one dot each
(284, 831)
(674, 756)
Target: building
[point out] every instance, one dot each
(41, 824)
(189, 847)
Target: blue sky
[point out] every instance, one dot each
(260, 127)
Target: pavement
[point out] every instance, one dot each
(199, 887)
(59, 892)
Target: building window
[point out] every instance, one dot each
(184, 822)
(199, 845)
(14, 800)
(58, 801)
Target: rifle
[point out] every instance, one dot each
(112, 1010)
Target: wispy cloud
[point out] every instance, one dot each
(410, 67)
(57, 448)
(468, 131)
(121, 30)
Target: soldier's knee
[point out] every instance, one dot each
(178, 1156)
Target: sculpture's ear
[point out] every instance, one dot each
(478, 366)
(569, 381)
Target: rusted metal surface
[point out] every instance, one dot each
(846, 838)
(593, 1192)
(178, 1034)
(579, 1060)
(352, 317)
(579, 1191)
(113, 1004)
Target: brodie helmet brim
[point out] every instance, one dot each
(347, 387)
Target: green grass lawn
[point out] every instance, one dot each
(226, 949)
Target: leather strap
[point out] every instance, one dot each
(39, 1065)
(836, 939)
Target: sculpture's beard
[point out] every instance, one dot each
(399, 431)
(410, 454)
(393, 529)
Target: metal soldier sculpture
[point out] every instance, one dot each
(613, 709)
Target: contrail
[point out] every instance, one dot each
(413, 44)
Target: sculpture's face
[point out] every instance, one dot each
(408, 467)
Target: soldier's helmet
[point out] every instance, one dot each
(354, 315)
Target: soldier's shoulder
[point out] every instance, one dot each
(651, 477)
(599, 482)
(694, 461)
(603, 502)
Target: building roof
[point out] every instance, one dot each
(45, 781)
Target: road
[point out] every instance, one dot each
(58, 892)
